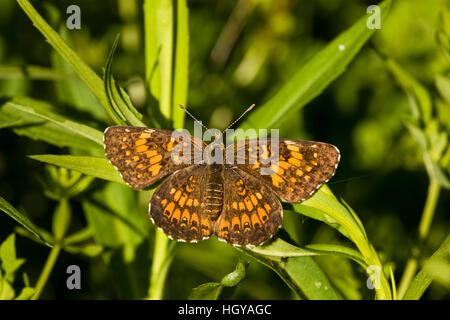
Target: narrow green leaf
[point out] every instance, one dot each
(152, 73)
(79, 236)
(164, 33)
(311, 79)
(25, 294)
(443, 85)
(76, 93)
(44, 124)
(27, 234)
(6, 290)
(61, 219)
(90, 249)
(413, 88)
(91, 166)
(181, 66)
(34, 73)
(424, 278)
(324, 249)
(166, 60)
(278, 248)
(418, 135)
(84, 71)
(324, 206)
(7, 208)
(119, 108)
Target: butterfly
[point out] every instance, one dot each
(233, 201)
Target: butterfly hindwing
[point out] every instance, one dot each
(251, 214)
(143, 155)
(177, 205)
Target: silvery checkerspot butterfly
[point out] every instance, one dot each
(233, 201)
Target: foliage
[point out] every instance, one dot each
(357, 92)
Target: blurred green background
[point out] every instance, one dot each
(242, 52)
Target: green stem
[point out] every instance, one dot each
(49, 264)
(162, 257)
(424, 227)
(370, 255)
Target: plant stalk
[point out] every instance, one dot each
(48, 267)
(412, 264)
(162, 258)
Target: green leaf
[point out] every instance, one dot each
(10, 263)
(84, 71)
(89, 250)
(113, 216)
(311, 79)
(181, 63)
(91, 166)
(72, 90)
(6, 207)
(443, 86)
(40, 123)
(426, 275)
(27, 234)
(167, 55)
(119, 108)
(418, 94)
(326, 249)
(6, 290)
(302, 275)
(324, 206)
(159, 52)
(79, 236)
(206, 291)
(34, 73)
(418, 135)
(61, 219)
(26, 293)
(278, 248)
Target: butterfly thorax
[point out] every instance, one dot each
(214, 191)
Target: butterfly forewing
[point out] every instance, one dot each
(143, 155)
(302, 166)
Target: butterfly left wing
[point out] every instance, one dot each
(143, 155)
(251, 213)
(301, 166)
(177, 206)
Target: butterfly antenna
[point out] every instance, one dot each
(195, 119)
(240, 117)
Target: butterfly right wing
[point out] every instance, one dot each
(300, 169)
(144, 155)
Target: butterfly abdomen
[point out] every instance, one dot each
(214, 191)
